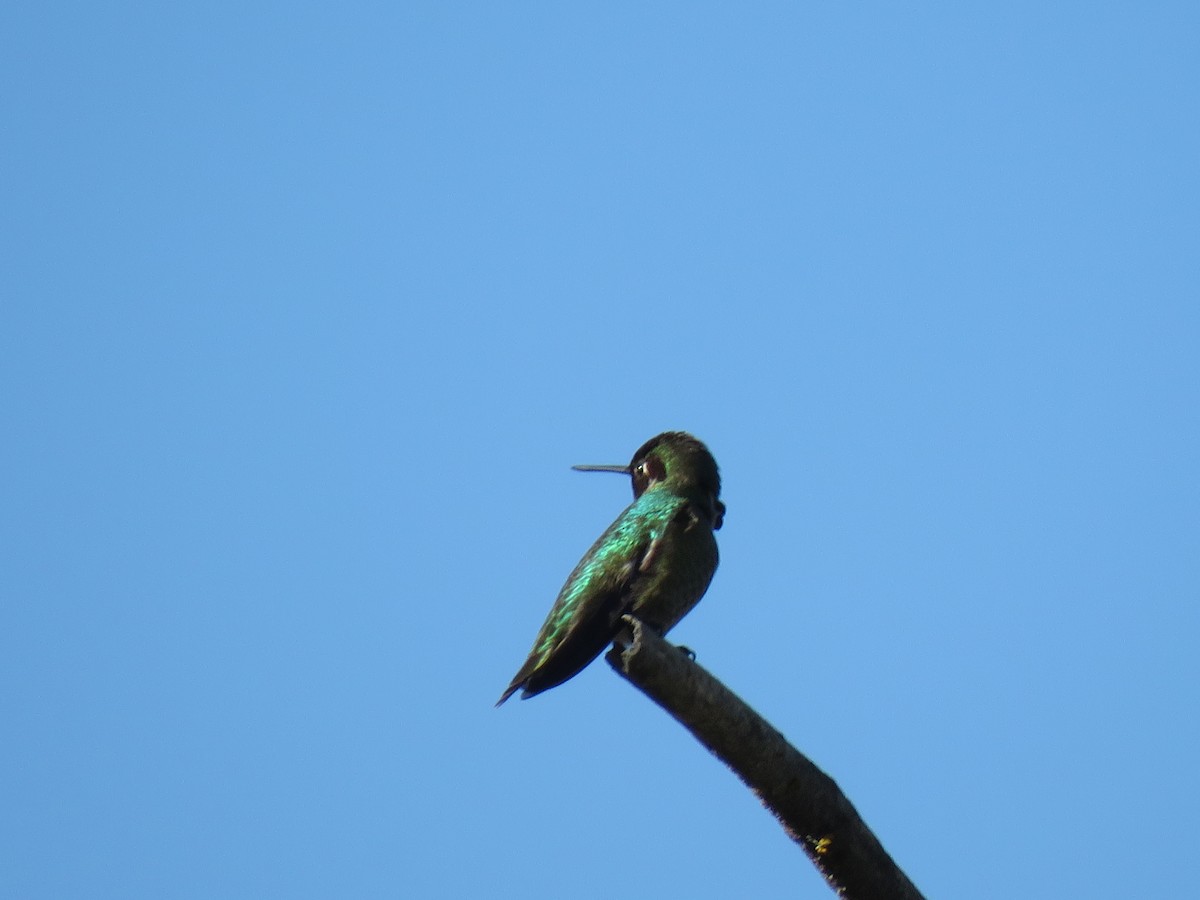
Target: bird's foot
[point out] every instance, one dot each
(624, 636)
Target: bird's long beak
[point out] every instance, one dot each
(620, 470)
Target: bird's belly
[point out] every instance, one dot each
(679, 580)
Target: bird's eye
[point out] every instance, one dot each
(648, 471)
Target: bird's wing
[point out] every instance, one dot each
(586, 615)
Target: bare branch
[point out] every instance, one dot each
(808, 803)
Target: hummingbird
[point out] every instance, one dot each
(654, 562)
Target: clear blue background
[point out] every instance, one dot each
(307, 310)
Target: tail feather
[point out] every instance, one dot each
(509, 691)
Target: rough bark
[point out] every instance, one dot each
(808, 803)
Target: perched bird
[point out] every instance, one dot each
(654, 562)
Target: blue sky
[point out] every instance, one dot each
(307, 310)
